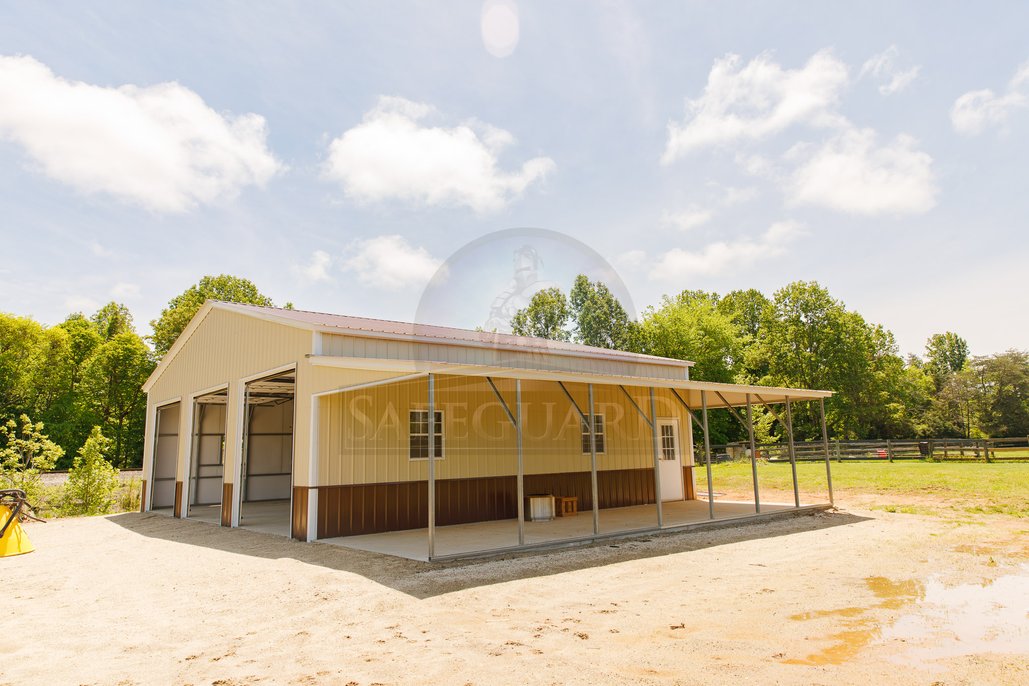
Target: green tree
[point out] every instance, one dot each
(51, 370)
(112, 390)
(690, 326)
(182, 307)
(945, 354)
(600, 320)
(20, 340)
(1003, 389)
(54, 400)
(40, 370)
(545, 317)
(92, 480)
(810, 340)
(953, 409)
(915, 393)
(56, 376)
(112, 319)
(747, 309)
(25, 453)
(889, 406)
(83, 339)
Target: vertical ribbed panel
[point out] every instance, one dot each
(373, 508)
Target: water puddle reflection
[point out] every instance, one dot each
(938, 621)
(861, 628)
(951, 621)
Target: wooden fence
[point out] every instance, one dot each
(939, 449)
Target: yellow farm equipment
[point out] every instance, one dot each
(13, 509)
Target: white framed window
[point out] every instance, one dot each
(669, 435)
(598, 422)
(419, 435)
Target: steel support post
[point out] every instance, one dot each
(753, 454)
(793, 453)
(432, 466)
(825, 445)
(657, 458)
(594, 490)
(520, 487)
(707, 459)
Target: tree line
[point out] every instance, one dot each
(803, 337)
(88, 370)
(59, 383)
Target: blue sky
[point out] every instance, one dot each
(339, 153)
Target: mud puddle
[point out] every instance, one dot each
(937, 621)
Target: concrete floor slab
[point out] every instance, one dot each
(464, 539)
(206, 513)
(266, 516)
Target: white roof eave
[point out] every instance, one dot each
(735, 394)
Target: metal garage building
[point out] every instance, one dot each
(317, 426)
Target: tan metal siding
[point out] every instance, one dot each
(364, 435)
(310, 381)
(353, 346)
(228, 346)
(224, 348)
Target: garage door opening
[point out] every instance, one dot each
(267, 469)
(207, 457)
(166, 456)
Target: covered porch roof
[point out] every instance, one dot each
(691, 392)
(698, 397)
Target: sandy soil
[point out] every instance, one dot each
(854, 597)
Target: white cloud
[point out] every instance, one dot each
(756, 100)
(390, 262)
(393, 154)
(79, 303)
(726, 256)
(974, 111)
(883, 68)
(719, 198)
(631, 259)
(689, 219)
(124, 290)
(847, 171)
(161, 147)
(852, 173)
(99, 250)
(732, 196)
(317, 269)
(757, 165)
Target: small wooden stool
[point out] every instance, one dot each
(566, 505)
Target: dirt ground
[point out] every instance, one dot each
(853, 597)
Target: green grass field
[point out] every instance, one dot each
(913, 487)
(1009, 453)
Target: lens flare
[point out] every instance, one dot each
(500, 27)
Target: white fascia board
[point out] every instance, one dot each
(769, 393)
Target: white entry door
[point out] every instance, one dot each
(671, 459)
